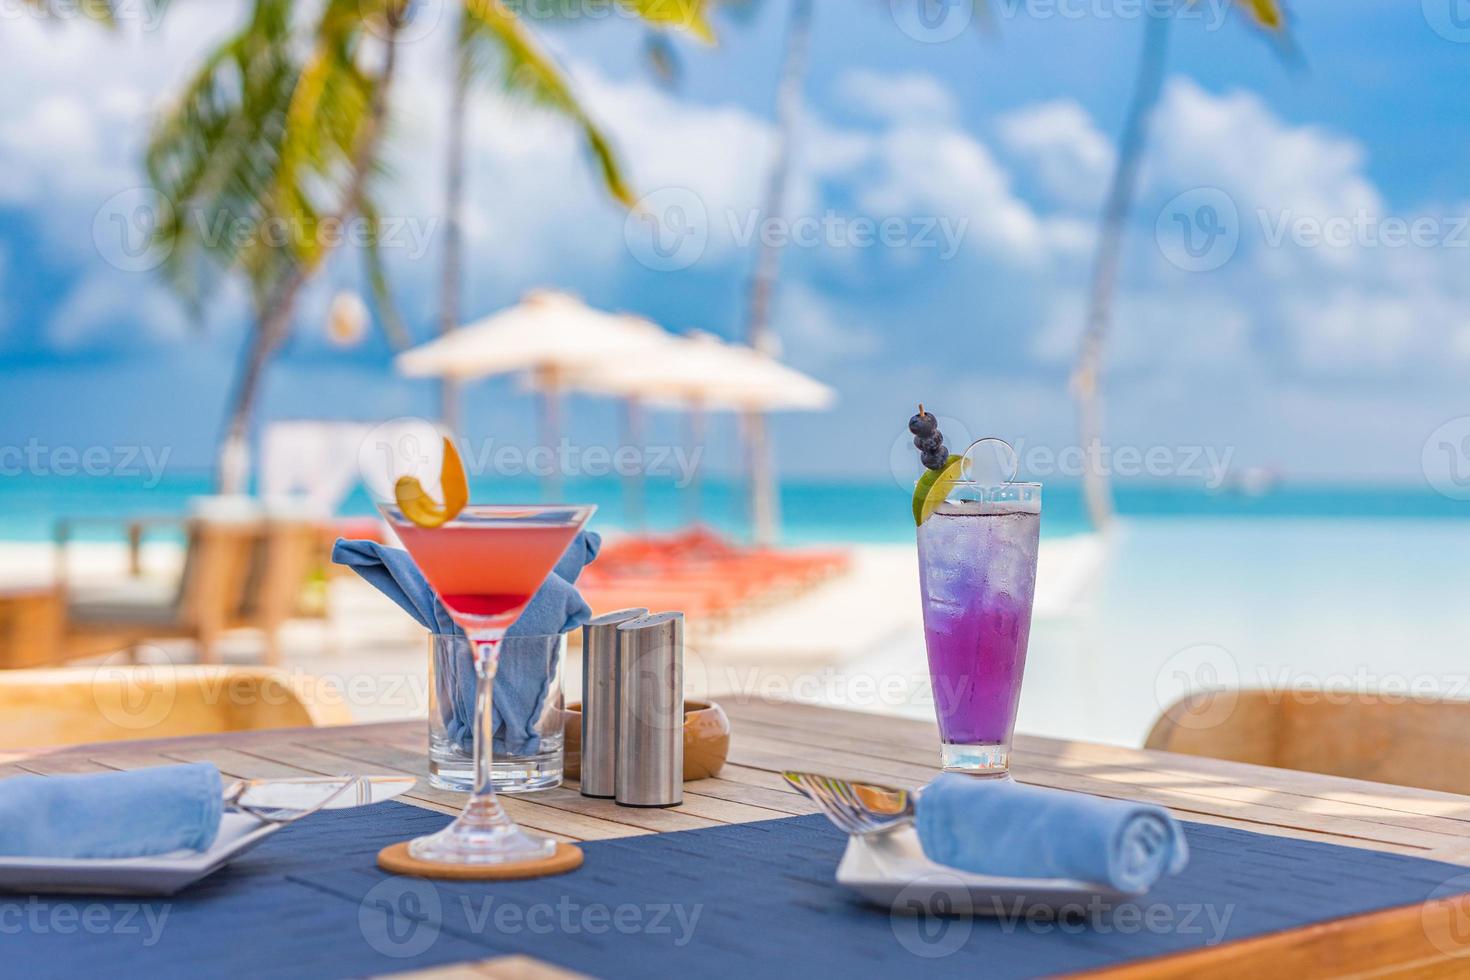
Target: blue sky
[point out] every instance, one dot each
(1326, 360)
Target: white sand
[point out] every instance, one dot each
(813, 647)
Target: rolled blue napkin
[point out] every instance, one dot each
(521, 681)
(138, 813)
(1000, 827)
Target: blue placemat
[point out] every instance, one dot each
(739, 901)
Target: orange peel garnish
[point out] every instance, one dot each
(423, 509)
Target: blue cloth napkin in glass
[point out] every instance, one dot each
(521, 681)
(138, 813)
(1000, 827)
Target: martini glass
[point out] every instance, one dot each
(485, 565)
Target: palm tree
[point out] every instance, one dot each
(1086, 377)
(493, 46)
(273, 146)
(266, 154)
(764, 501)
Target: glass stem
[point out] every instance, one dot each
(487, 658)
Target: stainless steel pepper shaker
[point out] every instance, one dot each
(650, 765)
(600, 702)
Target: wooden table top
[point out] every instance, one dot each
(769, 738)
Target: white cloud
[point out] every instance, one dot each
(1235, 142)
(819, 332)
(899, 96)
(1058, 142)
(115, 310)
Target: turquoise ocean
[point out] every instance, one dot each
(874, 511)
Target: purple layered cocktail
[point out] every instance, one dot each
(977, 574)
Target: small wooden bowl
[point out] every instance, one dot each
(706, 740)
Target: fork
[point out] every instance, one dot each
(284, 815)
(859, 809)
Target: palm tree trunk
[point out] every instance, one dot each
(1086, 378)
(449, 283)
(765, 514)
(273, 319)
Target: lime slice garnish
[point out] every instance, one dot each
(933, 487)
(423, 509)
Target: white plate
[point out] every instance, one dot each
(891, 870)
(160, 874)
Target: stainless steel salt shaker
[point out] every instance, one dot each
(600, 701)
(651, 711)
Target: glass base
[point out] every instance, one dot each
(483, 834)
(975, 760)
(455, 771)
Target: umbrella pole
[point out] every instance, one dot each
(551, 438)
(763, 504)
(633, 483)
(694, 493)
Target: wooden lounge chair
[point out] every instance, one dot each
(281, 556)
(199, 606)
(1386, 738)
(76, 705)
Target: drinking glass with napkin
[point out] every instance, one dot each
(521, 681)
(138, 813)
(1000, 827)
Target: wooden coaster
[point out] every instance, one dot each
(395, 858)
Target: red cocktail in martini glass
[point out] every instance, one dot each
(485, 564)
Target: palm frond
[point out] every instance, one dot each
(497, 44)
(684, 15)
(376, 272)
(1266, 13)
(213, 154)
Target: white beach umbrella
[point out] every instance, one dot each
(700, 372)
(546, 336)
